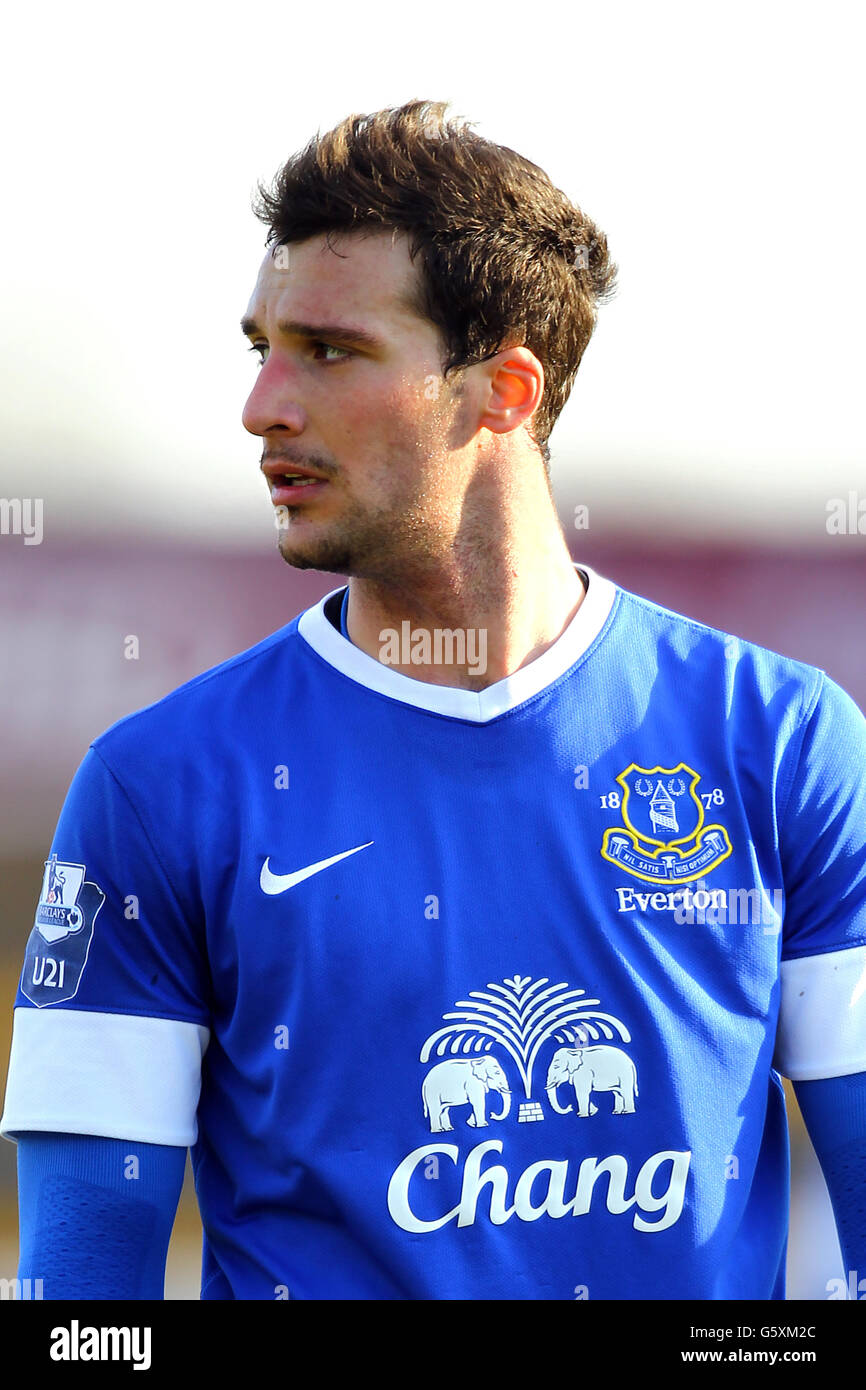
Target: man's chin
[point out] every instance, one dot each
(331, 558)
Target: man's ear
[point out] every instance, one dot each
(516, 385)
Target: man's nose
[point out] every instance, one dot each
(273, 403)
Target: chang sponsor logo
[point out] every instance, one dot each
(550, 1187)
(530, 1022)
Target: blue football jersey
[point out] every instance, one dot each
(328, 924)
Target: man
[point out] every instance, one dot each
(463, 926)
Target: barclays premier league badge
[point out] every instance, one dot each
(60, 940)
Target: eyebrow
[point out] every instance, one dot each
(341, 332)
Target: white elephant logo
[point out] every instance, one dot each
(463, 1082)
(593, 1069)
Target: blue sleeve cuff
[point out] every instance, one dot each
(96, 1214)
(834, 1110)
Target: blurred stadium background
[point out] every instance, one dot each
(714, 420)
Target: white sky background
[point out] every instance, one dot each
(719, 146)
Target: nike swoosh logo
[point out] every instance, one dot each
(278, 883)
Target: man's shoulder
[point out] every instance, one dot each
(707, 650)
(215, 698)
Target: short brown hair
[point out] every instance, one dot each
(506, 257)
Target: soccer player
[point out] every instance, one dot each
(465, 926)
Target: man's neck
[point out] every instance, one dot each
(467, 629)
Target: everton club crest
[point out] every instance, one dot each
(664, 837)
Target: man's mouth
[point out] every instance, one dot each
(287, 484)
(289, 488)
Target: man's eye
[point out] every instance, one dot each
(343, 354)
(330, 347)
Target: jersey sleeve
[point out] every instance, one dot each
(95, 1219)
(822, 838)
(834, 1109)
(111, 1017)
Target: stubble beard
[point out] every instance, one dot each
(393, 544)
(378, 545)
(332, 555)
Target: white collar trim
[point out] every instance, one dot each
(477, 706)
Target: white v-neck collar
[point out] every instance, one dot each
(476, 705)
